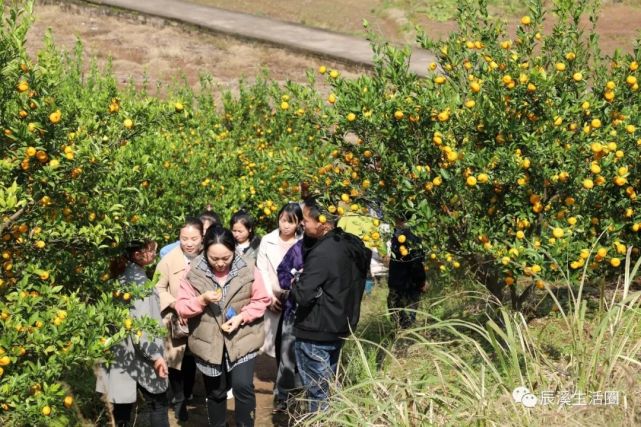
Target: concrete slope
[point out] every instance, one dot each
(292, 36)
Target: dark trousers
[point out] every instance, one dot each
(157, 407)
(181, 381)
(241, 379)
(317, 363)
(286, 377)
(399, 300)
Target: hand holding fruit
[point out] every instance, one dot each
(232, 324)
(211, 296)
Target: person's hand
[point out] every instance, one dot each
(160, 366)
(232, 324)
(211, 296)
(276, 306)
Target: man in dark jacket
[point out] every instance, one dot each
(406, 278)
(328, 297)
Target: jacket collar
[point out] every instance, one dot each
(201, 264)
(176, 260)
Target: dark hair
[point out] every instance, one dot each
(293, 212)
(193, 222)
(118, 265)
(315, 210)
(218, 234)
(245, 219)
(211, 216)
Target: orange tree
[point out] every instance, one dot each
(67, 202)
(517, 154)
(248, 154)
(87, 167)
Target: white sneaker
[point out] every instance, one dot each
(230, 394)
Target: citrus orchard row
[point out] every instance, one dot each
(515, 158)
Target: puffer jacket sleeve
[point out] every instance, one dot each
(150, 348)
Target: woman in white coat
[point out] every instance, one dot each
(273, 248)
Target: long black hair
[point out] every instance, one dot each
(211, 216)
(246, 220)
(294, 214)
(193, 222)
(218, 234)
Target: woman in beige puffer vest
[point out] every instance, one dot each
(224, 299)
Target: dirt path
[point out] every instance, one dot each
(263, 382)
(163, 51)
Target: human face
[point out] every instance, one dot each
(219, 257)
(146, 255)
(190, 240)
(240, 232)
(313, 228)
(286, 227)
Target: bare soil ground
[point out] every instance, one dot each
(163, 51)
(618, 25)
(264, 377)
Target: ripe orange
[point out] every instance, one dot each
(55, 117)
(68, 401)
(443, 116)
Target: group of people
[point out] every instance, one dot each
(225, 296)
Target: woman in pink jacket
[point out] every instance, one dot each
(224, 299)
